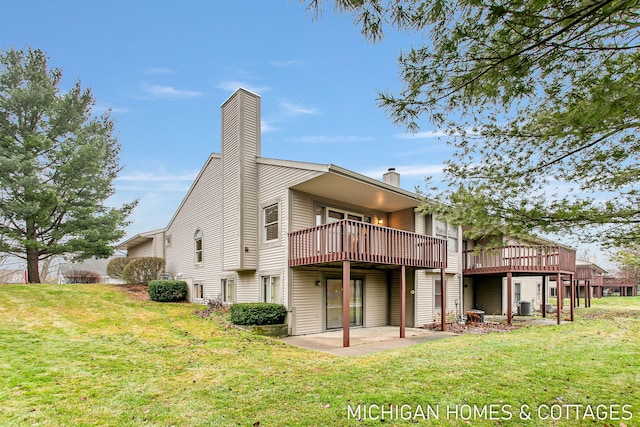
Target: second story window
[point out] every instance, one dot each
(446, 231)
(197, 238)
(271, 227)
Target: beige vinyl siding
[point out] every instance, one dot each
(240, 148)
(376, 299)
(274, 188)
(201, 209)
(453, 295)
(251, 150)
(231, 186)
(247, 287)
(141, 250)
(528, 292)
(402, 220)
(424, 297)
(152, 247)
(425, 311)
(395, 299)
(308, 302)
(302, 214)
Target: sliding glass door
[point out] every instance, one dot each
(334, 303)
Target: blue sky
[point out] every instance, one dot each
(164, 68)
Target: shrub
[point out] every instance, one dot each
(257, 313)
(116, 266)
(81, 276)
(167, 290)
(142, 270)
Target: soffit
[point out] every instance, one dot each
(369, 194)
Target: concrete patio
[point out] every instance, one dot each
(365, 340)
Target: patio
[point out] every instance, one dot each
(365, 340)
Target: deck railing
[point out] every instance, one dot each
(349, 240)
(583, 272)
(543, 258)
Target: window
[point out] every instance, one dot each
(518, 291)
(552, 291)
(228, 290)
(271, 289)
(446, 231)
(198, 290)
(197, 238)
(538, 292)
(271, 228)
(167, 240)
(437, 294)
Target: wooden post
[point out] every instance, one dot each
(509, 299)
(346, 297)
(544, 296)
(443, 301)
(403, 300)
(572, 290)
(577, 282)
(559, 286)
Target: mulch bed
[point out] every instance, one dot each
(474, 328)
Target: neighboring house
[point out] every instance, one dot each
(258, 229)
(515, 276)
(93, 265)
(589, 278)
(615, 286)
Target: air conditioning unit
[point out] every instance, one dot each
(524, 308)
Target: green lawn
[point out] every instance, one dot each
(91, 355)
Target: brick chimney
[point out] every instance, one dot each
(392, 177)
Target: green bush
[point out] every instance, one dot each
(116, 266)
(142, 270)
(167, 290)
(257, 313)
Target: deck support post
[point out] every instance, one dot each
(403, 300)
(346, 289)
(443, 300)
(559, 286)
(577, 282)
(544, 296)
(509, 299)
(572, 293)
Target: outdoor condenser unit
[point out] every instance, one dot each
(524, 308)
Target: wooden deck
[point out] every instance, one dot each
(361, 242)
(540, 259)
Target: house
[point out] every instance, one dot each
(618, 286)
(589, 277)
(499, 279)
(257, 229)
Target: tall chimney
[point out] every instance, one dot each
(392, 177)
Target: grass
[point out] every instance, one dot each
(91, 355)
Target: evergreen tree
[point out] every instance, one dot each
(57, 166)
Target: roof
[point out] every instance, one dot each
(138, 239)
(336, 182)
(597, 268)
